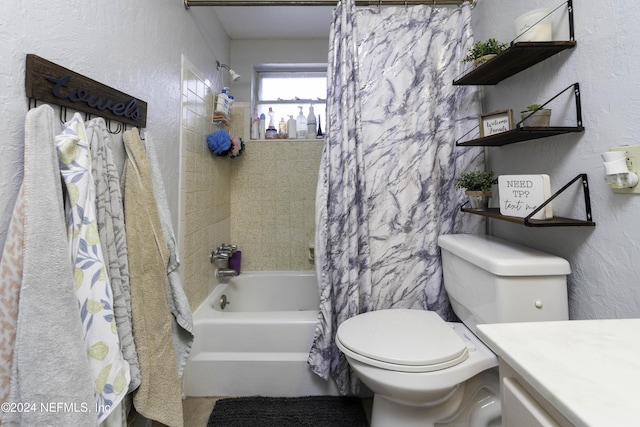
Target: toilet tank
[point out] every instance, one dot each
(490, 280)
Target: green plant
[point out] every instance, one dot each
(533, 107)
(476, 181)
(491, 46)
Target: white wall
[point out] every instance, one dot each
(245, 53)
(605, 282)
(134, 47)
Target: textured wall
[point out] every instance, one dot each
(605, 281)
(122, 44)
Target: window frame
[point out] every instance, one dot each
(260, 70)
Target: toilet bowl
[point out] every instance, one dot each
(424, 371)
(417, 365)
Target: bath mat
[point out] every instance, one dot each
(311, 411)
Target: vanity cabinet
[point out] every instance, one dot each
(523, 406)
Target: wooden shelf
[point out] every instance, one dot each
(553, 222)
(518, 135)
(519, 56)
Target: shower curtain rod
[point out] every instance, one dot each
(189, 3)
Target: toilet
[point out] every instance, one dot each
(424, 371)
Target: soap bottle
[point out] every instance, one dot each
(291, 127)
(282, 129)
(261, 129)
(301, 125)
(311, 124)
(255, 126)
(271, 132)
(230, 103)
(222, 102)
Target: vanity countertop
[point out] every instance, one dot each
(587, 369)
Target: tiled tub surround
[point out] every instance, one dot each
(273, 188)
(262, 201)
(204, 187)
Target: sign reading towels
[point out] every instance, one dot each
(49, 82)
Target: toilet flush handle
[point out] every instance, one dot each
(539, 304)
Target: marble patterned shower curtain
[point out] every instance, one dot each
(386, 182)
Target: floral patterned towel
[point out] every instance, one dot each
(110, 370)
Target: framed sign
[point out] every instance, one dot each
(49, 82)
(520, 195)
(496, 122)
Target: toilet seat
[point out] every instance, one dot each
(402, 340)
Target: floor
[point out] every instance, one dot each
(196, 410)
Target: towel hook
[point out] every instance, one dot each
(118, 129)
(63, 110)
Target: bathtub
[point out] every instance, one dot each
(259, 343)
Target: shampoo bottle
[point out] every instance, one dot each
(222, 102)
(301, 125)
(271, 132)
(261, 129)
(255, 126)
(311, 124)
(291, 128)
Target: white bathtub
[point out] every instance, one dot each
(259, 343)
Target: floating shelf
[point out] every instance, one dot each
(518, 135)
(519, 56)
(552, 222)
(525, 133)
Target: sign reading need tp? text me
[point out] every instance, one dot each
(520, 195)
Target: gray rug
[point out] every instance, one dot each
(312, 411)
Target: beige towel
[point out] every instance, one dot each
(159, 395)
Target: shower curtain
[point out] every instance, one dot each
(386, 182)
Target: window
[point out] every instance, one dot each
(286, 87)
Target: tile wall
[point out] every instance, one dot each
(204, 187)
(273, 187)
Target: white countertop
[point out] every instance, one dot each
(588, 369)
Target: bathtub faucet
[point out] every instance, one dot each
(220, 257)
(223, 253)
(225, 272)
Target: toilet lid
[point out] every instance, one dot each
(410, 340)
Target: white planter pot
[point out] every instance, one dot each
(478, 199)
(540, 118)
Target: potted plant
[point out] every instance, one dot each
(535, 116)
(477, 185)
(481, 52)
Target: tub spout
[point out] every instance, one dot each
(225, 272)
